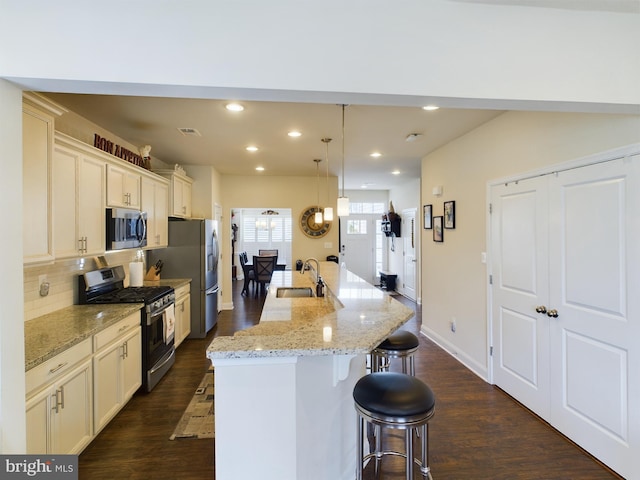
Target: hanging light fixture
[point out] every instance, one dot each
(328, 211)
(343, 201)
(318, 216)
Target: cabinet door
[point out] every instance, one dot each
(66, 238)
(154, 200)
(162, 214)
(123, 187)
(178, 209)
(186, 199)
(37, 141)
(91, 204)
(71, 424)
(132, 365)
(183, 318)
(38, 427)
(106, 385)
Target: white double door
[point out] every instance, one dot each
(566, 304)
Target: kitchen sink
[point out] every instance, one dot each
(289, 292)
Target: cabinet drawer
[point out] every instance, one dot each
(108, 335)
(182, 291)
(58, 365)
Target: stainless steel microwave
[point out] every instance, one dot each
(126, 228)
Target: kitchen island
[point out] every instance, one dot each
(283, 388)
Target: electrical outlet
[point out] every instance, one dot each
(43, 283)
(452, 324)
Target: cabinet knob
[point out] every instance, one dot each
(552, 313)
(541, 309)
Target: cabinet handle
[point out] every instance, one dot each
(122, 329)
(552, 313)
(55, 401)
(123, 355)
(126, 349)
(55, 369)
(62, 397)
(541, 309)
(80, 244)
(182, 306)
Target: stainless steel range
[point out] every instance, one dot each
(158, 351)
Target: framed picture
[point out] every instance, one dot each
(450, 214)
(427, 210)
(438, 232)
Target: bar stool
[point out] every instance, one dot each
(394, 400)
(401, 344)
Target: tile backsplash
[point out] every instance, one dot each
(63, 281)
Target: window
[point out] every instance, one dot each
(266, 231)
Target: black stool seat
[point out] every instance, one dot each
(387, 395)
(400, 340)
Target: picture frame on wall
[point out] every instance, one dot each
(427, 211)
(450, 214)
(438, 232)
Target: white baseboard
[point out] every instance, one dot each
(227, 306)
(464, 359)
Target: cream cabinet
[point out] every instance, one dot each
(117, 366)
(123, 187)
(38, 116)
(59, 403)
(78, 195)
(154, 200)
(183, 313)
(180, 187)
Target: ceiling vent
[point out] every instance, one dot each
(189, 132)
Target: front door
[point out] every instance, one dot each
(358, 242)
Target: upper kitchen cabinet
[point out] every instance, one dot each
(38, 114)
(154, 200)
(179, 192)
(123, 187)
(78, 194)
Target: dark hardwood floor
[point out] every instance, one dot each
(478, 432)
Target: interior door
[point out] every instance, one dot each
(358, 237)
(409, 271)
(519, 254)
(594, 286)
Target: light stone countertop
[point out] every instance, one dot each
(352, 318)
(48, 335)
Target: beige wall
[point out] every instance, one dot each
(296, 193)
(454, 279)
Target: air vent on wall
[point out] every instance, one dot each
(189, 132)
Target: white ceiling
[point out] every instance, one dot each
(224, 135)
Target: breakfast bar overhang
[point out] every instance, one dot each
(283, 388)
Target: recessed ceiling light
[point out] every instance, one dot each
(252, 148)
(234, 107)
(395, 172)
(294, 133)
(430, 108)
(260, 169)
(376, 154)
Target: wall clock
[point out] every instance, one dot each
(309, 227)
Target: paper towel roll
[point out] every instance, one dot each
(136, 274)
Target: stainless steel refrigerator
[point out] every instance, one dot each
(193, 253)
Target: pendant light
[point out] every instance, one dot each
(318, 216)
(328, 211)
(343, 201)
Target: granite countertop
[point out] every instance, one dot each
(168, 282)
(352, 318)
(48, 335)
(51, 334)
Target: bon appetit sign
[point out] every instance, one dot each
(123, 153)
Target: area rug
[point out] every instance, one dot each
(198, 419)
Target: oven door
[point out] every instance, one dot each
(158, 345)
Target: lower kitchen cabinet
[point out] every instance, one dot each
(117, 366)
(59, 414)
(183, 313)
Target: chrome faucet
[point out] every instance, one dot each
(319, 282)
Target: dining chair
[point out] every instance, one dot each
(249, 274)
(263, 267)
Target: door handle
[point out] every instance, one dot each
(552, 313)
(541, 309)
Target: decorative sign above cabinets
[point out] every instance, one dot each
(121, 152)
